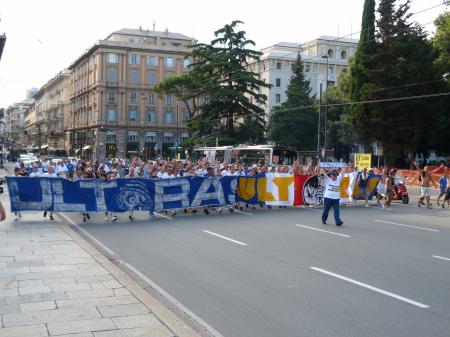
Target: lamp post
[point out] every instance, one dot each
(318, 124)
(326, 106)
(176, 138)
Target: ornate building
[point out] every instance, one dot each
(114, 109)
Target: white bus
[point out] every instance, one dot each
(251, 154)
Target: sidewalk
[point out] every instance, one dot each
(54, 283)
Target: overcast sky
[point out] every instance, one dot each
(46, 36)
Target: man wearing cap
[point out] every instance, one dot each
(332, 197)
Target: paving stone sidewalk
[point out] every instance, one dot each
(53, 283)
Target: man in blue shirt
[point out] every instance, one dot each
(443, 185)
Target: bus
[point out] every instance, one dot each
(251, 154)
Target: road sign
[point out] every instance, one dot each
(363, 160)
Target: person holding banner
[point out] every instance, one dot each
(332, 197)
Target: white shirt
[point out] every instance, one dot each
(333, 188)
(49, 175)
(35, 174)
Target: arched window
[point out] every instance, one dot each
(343, 55)
(330, 53)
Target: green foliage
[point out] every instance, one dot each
(219, 72)
(294, 122)
(400, 64)
(441, 42)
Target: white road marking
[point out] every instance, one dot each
(236, 210)
(106, 249)
(226, 238)
(163, 216)
(314, 209)
(378, 290)
(403, 225)
(442, 258)
(321, 230)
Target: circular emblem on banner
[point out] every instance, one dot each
(313, 191)
(134, 195)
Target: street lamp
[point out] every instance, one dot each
(326, 106)
(176, 138)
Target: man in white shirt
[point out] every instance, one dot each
(332, 196)
(35, 172)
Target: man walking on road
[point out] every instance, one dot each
(332, 197)
(443, 185)
(425, 179)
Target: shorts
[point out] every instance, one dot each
(362, 191)
(425, 191)
(381, 188)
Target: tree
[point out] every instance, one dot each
(401, 65)
(219, 72)
(294, 122)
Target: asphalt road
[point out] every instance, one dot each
(285, 274)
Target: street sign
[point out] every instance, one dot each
(363, 160)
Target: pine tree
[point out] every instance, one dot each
(293, 123)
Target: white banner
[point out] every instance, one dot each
(280, 189)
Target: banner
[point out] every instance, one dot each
(363, 160)
(332, 165)
(120, 195)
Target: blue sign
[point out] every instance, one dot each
(119, 195)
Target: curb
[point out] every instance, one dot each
(164, 315)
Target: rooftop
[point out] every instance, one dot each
(152, 33)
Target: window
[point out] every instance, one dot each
(278, 65)
(186, 63)
(206, 99)
(168, 117)
(132, 136)
(168, 137)
(133, 96)
(112, 58)
(169, 99)
(343, 55)
(151, 116)
(112, 75)
(111, 115)
(184, 136)
(152, 77)
(133, 76)
(331, 69)
(132, 115)
(330, 53)
(134, 59)
(307, 68)
(151, 97)
(278, 82)
(111, 96)
(152, 61)
(110, 136)
(185, 115)
(277, 98)
(150, 136)
(170, 62)
(130, 40)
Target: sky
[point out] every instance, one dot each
(46, 36)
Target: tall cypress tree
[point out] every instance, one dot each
(293, 123)
(360, 69)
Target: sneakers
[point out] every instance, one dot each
(16, 218)
(340, 223)
(324, 222)
(131, 218)
(367, 206)
(114, 218)
(51, 217)
(106, 219)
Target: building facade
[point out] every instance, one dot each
(44, 119)
(323, 59)
(16, 123)
(114, 109)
